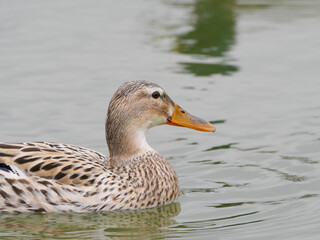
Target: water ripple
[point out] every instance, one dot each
(283, 175)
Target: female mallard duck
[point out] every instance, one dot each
(55, 177)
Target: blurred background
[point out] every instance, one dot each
(249, 67)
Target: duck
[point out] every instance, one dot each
(56, 177)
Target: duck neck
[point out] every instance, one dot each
(125, 141)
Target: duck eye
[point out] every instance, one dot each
(155, 94)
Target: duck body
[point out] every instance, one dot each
(55, 177)
(66, 178)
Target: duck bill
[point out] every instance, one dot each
(183, 119)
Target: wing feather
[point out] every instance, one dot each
(67, 164)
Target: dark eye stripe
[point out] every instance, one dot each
(155, 94)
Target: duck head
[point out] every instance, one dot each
(136, 107)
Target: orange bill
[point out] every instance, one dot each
(183, 119)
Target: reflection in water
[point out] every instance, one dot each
(214, 29)
(283, 175)
(226, 146)
(212, 35)
(198, 226)
(129, 224)
(270, 202)
(218, 121)
(301, 159)
(206, 69)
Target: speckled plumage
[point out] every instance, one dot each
(65, 178)
(57, 177)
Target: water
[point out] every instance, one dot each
(251, 67)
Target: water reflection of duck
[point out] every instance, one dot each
(141, 224)
(55, 177)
